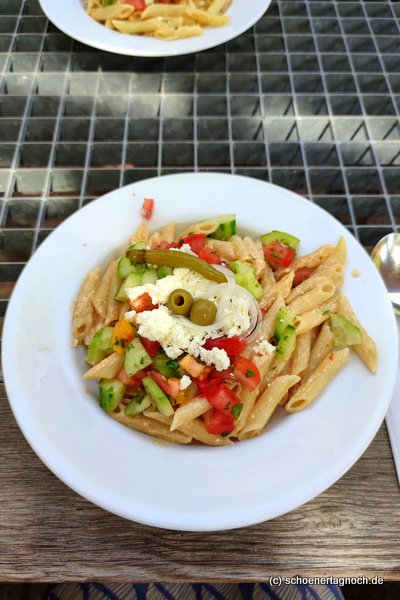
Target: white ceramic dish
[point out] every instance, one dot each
(181, 487)
(78, 25)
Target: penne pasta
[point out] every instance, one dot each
(163, 20)
(269, 339)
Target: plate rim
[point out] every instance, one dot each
(231, 522)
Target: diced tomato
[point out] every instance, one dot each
(301, 275)
(174, 387)
(208, 386)
(168, 245)
(151, 347)
(138, 5)
(232, 346)
(142, 303)
(209, 256)
(133, 381)
(196, 242)
(219, 423)
(160, 380)
(223, 399)
(278, 255)
(247, 372)
(148, 203)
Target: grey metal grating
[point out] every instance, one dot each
(308, 99)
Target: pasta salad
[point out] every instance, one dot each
(162, 19)
(200, 336)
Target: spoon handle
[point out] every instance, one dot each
(393, 420)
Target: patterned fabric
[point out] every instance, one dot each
(194, 591)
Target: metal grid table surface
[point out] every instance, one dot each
(308, 99)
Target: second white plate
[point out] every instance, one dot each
(78, 25)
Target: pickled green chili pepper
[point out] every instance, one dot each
(174, 258)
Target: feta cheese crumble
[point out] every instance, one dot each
(264, 347)
(184, 382)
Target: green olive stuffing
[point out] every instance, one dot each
(203, 312)
(180, 302)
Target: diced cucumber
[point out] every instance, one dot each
(164, 271)
(280, 236)
(126, 266)
(138, 246)
(345, 333)
(283, 318)
(226, 227)
(149, 276)
(138, 405)
(101, 345)
(167, 366)
(161, 401)
(245, 276)
(111, 393)
(287, 343)
(133, 280)
(136, 357)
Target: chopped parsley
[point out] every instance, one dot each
(236, 410)
(250, 373)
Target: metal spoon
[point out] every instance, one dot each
(386, 256)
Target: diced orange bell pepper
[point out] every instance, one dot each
(192, 366)
(124, 332)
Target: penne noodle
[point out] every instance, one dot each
(113, 307)
(281, 288)
(83, 315)
(108, 368)
(301, 355)
(189, 411)
(267, 404)
(323, 345)
(319, 294)
(152, 427)
(316, 316)
(317, 381)
(100, 297)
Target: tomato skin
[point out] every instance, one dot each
(148, 203)
(133, 381)
(142, 303)
(196, 242)
(247, 373)
(160, 380)
(208, 386)
(151, 347)
(218, 423)
(232, 346)
(168, 245)
(209, 256)
(138, 5)
(278, 255)
(223, 399)
(301, 275)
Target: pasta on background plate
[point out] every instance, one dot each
(202, 335)
(163, 19)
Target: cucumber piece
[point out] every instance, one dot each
(245, 276)
(164, 271)
(133, 280)
(225, 227)
(280, 236)
(136, 357)
(126, 266)
(167, 366)
(111, 393)
(138, 405)
(283, 318)
(149, 276)
(345, 333)
(138, 246)
(287, 343)
(101, 345)
(161, 401)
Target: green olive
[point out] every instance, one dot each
(180, 302)
(203, 312)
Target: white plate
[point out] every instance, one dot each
(181, 487)
(77, 24)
